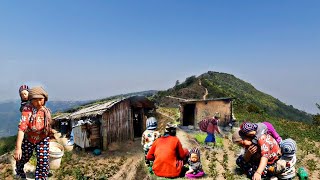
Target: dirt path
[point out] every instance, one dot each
(206, 93)
(130, 169)
(185, 139)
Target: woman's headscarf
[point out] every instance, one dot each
(151, 123)
(38, 92)
(170, 129)
(247, 127)
(288, 147)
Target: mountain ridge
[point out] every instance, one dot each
(246, 97)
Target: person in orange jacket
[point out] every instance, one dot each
(168, 154)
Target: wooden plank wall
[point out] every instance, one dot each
(117, 124)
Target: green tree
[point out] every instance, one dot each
(177, 83)
(316, 118)
(190, 80)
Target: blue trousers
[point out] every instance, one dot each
(210, 138)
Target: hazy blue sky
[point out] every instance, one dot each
(83, 50)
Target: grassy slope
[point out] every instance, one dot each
(247, 98)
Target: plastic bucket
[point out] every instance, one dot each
(56, 151)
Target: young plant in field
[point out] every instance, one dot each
(225, 160)
(212, 166)
(312, 165)
(77, 173)
(207, 155)
(228, 175)
(122, 160)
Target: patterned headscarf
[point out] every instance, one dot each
(195, 150)
(23, 87)
(247, 127)
(151, 123)
(170, 129)
(288, 147)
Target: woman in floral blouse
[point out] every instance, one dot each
(34, 133)
(259, 154)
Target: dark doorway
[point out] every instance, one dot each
(188, 114)
(137, 121)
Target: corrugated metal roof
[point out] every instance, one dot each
(62, 116)
(99, 109)
(94, 110)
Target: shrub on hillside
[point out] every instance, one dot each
(190, 80)
(316, 120)
(7, 144)
(252, 108)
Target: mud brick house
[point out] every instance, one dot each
(193, 111)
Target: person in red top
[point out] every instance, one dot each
(168, 154)
(34, 131)
(211, 129)
(261, 154)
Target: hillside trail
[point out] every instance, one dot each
(206, 93)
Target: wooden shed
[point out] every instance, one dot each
(193, 111)
(117, 120)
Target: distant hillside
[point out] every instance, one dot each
(10, 114)
(247, 98)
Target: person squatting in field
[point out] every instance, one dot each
(264, 156)
(168, 154)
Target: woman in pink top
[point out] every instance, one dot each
(211, 129)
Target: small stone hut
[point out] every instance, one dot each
(193, 111)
